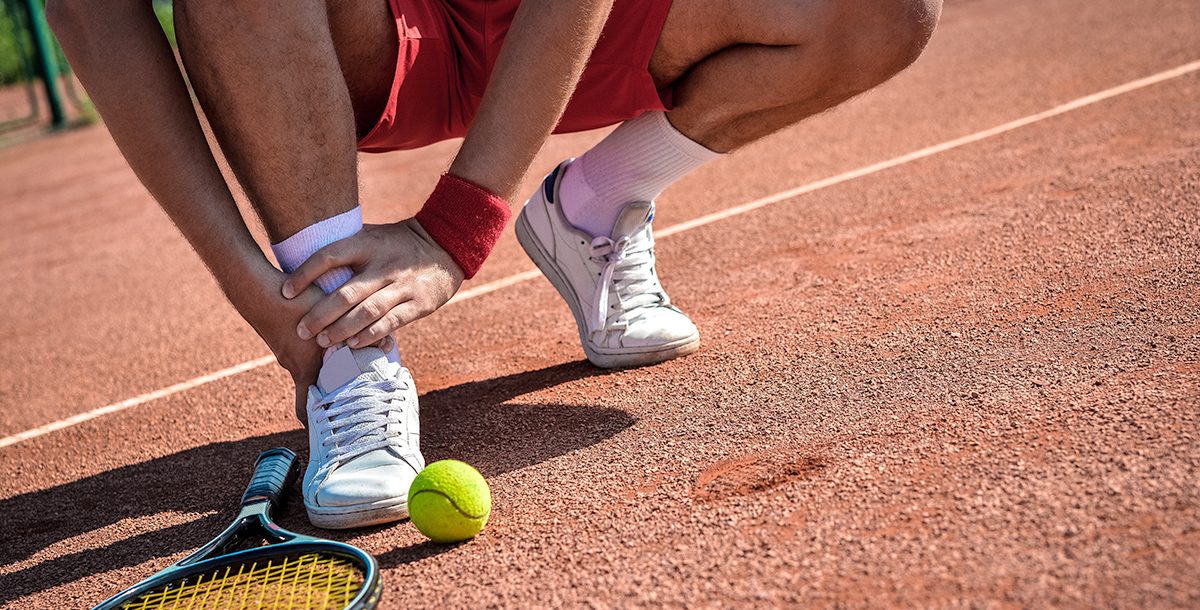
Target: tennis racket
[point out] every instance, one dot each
(256, 564)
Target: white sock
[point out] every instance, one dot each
(635, 162)
(293, 251)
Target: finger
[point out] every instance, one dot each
(342, 253)
(400, 316)
(335, 305)
(387, 344)
(369, 311)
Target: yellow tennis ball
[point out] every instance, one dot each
(449, 501)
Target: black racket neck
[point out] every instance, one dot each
(274, 474)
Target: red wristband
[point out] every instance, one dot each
(465, 219)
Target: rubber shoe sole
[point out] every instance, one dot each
(349, 517)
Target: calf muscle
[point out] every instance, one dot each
(267, 76)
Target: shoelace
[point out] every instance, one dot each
(626, 266)
(359, 416)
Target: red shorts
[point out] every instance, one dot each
(448, 49)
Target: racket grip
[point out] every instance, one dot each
(273, 474)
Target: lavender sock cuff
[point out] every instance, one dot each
(685, 145)
(293, 251)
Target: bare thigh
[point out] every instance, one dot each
(697, 29)
(364, 34)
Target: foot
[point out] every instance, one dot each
(624, 316)
(364, 440)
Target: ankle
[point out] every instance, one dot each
(580, 204)
(635, 162)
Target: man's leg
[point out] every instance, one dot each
(268, 78)
(284, 109)
(741, 70)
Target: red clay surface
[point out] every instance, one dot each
(973, 380)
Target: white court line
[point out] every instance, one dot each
(679, 228)
(136, 400)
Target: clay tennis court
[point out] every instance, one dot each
(951, 358)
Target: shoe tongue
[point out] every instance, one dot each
(345, 365)
(633, 217)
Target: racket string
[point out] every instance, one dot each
(309, 580)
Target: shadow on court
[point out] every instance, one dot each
(473, 421)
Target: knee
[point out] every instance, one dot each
(883, 37)
(910, 25)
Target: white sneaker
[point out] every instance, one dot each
(364, 440)
(624, 316)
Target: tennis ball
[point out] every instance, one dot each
(449, 501)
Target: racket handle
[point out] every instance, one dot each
(273, 474)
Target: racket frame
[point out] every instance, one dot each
(275, 472)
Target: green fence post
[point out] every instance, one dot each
(47, 65)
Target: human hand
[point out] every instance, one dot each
(400, 275)
(274, 318)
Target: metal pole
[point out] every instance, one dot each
(47, 63)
